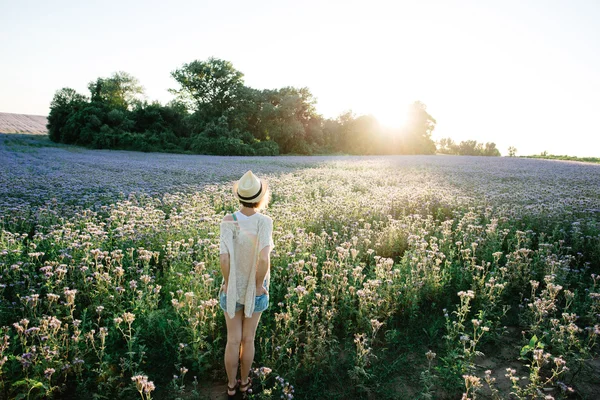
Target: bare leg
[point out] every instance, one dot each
(248, 332)
(232, 349)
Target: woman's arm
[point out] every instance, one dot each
(224, 252)
(224, 258)
(264, 262)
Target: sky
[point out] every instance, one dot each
(518, 73)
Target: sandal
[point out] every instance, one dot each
(244, 388)
(232, 389)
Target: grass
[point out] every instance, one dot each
(565, 158)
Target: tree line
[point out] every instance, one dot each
(214, 112)
(467, 148)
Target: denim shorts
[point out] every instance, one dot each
(261, 303)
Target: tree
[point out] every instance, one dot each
(467, 148)
(214, 112)
(470, 148)
(210, 87)
(512, 151)
(363, 135)
(288, 117)
(245, 116)
(417, 134)
(66, 101)
(491, 150)
(120, 90)
(447, 146)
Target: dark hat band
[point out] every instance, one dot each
(251, 197)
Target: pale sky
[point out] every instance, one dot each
(521, 73)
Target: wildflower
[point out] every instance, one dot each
(189, 296)
(52, 297)
(301, 290)
(564, 387)
(375, 325)
(430, 355)
(54, 323)
(128, 317)
(534, 284)
(33, 329)
(70, 295)
(559, 361)
(472, 382)
(143, 385)
(468, 294)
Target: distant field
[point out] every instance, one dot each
(23, 123)
(566, 158)
(393, 277)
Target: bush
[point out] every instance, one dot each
(221, 146)
(266, 148)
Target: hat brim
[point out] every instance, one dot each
(265, 189)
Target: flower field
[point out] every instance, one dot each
(430, 277)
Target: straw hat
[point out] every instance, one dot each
(249, 188)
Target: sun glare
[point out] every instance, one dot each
(391, 118)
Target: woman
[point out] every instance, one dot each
(246, 244)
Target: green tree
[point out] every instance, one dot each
(362, 135)
(66, 102)
(467, 148)
(210, 87)
(470, 148)
(512, 151)
(246, 114)
(120, 90)
(491, 150)
(288, 117)
(447, 146)
(161, 126)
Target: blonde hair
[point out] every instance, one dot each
(261, 204)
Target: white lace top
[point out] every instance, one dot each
(243, 240)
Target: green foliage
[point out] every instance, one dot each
(467, 148)
(121, 90)
(221, 146)
(209, 87)
(66, 102)
(266, 148)
(533, 344)
(215, 113)
(361, 135)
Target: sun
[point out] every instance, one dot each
(391, 117)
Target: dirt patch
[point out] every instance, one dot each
(586, 382)
(23, 123)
